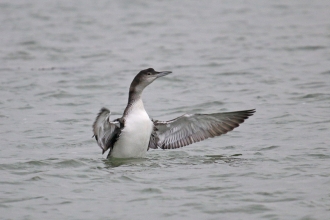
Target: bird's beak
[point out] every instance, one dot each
(164, 73)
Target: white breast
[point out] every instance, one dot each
(134, 138)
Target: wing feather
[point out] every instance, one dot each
(105, 132)
(188, 129)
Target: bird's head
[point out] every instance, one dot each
(144, 78)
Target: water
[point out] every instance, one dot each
(61, 61)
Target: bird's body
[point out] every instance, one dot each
(134, 133)
(135, 136)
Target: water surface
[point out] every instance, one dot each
(61, 61)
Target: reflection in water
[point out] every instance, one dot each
(173, 160)
(116, 162)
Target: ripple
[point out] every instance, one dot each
(320, 156)
(235, 73)
(305, 48)
(326, 72)
(151, 190)
(35, 178)
(70, 163)
(314, 95)
(269, 148)
(21, 199)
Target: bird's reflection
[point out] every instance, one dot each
(116, 162)
(179, 159)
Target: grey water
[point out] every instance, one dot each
(61, 61)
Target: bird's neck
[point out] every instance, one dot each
(134, 100)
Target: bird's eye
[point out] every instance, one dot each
(148, 73)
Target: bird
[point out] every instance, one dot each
(132, 135)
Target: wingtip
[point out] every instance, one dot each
(250, 112)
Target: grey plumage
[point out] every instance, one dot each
(106, 132)
(188, 129)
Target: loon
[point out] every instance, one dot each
(134, 133)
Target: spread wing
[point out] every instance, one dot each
(106, 132)
(188, 129)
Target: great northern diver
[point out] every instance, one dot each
(134, 133)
